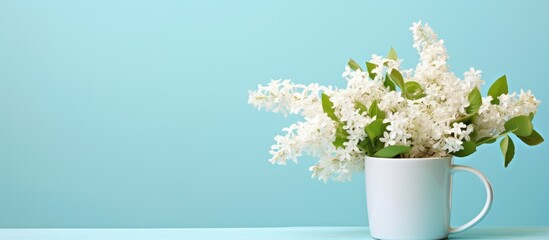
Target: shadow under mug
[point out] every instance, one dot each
(410, 198)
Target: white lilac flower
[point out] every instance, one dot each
(427, 124)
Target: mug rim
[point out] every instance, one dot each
(409, 159)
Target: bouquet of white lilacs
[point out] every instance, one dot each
(388, 112)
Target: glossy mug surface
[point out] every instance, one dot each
(410, 198)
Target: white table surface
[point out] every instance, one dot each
(286, 233)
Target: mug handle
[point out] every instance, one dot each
(487, 205)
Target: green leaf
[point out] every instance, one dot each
(531, 116)
(341, 136)
(469, 147)
(392, 54)
(366, 146)
(520, 126)
(413, 91)
(361, 107)
(375, 129)
(475, 100)
(412, 86)
(328, 107)
(371, 66)
(473, 134)
(508, 149)
(375, 111)
(379, 145)
(465, 119)
(338, 143)
(372, 111)
(353, 65)
(498, 88)
(533, 139)
(388, 83)
(486, 140)
(391, 151)
(397, 78)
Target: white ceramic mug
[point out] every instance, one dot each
(410, 198)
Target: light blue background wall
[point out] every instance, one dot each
(134, 113)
